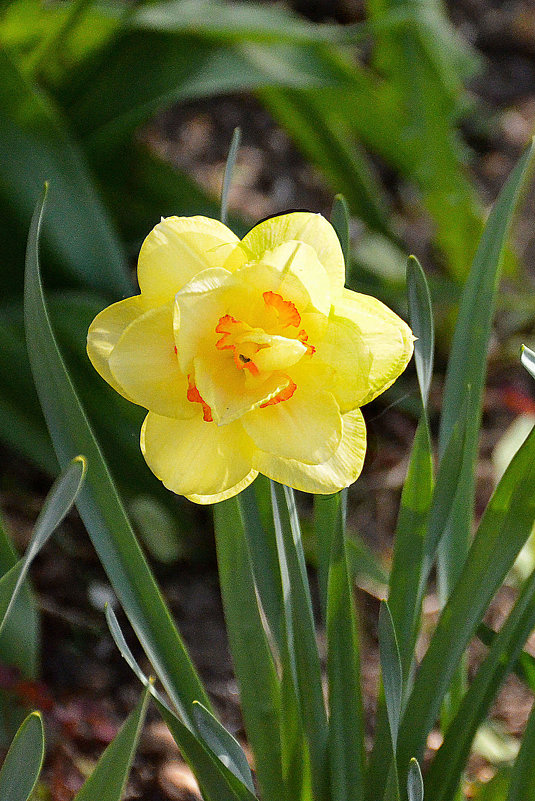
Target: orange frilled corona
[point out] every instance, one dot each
(249, 355)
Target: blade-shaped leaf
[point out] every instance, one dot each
(217, 782)
(390, 669)
(108, 778)
(57, 504)
(340, 223)
(522, 787)
(229, 171)
(98, 503)
(504, 528)
(421, 321)
(251, 654)
(450, 759)
(23, 762)
(527, 358)
(415, 784)
(346, 729)
(301, 634)
(223, 744)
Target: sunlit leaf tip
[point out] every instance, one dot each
(415, 784)
(527, 357)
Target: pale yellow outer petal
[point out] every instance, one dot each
(144, 364)
(230, 392)
(106, 330)
(388, 337)
(312, 229)
(293, 271)
(341, 470)
(341, 364)
(177, 249)
(307, 427)
(200, 460)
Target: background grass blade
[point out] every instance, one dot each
(450, 759)
(503, 530)
(223, 744)
(467, 367)
(108, 778)
(421, 322)
(415, 784)
(346, 725)
(251, 654)
(301, 635)
(528, 360)
(23, 762)
(340, 223)
(229, 172)
(390, 670)
(218, 783)
(57, 504)
(522, 786)
(98, 503)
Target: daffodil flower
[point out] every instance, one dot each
(250, 356)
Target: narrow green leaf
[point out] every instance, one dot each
(522, 787)
(301, 634)
(57, 504)
(22, 652)
(263, 551)
(24, 760)
(218, 783)
(346, 726)
(98, 503)
(525, 664)
(527, 357)
(390, 669)
(506, 647)
(363, 563)
(467, 362)
(229, 171)
(421, 321)
(415, 784)
(340, 223)
(108, 780)
(251, 655)
(504, 528)
(223, 744)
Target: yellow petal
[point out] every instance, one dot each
(198, 307)
(388, 337)
(145, 365)
(341, 364)
(306, 427)
(312, 229)
(205, 462)
(230, 392)
(292, 270)
(105, 331)
(341, 470)
(177, 249)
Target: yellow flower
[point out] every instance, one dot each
(250, 356)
